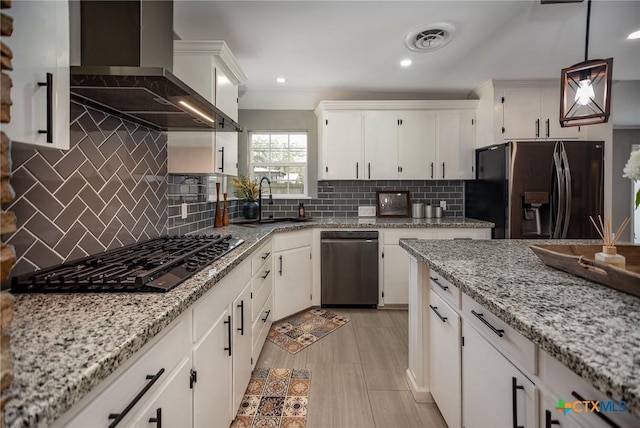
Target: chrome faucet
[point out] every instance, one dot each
(260, 196)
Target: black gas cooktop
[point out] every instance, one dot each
(159, 264)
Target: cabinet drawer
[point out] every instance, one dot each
(517, 347)
(392, 237)
(444, 288)
(260, 258)
(262, 288)
(165, 354)
(569, 386)
(215, 301)
(263, 276)
(291, 240)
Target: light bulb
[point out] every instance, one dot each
(584, 93)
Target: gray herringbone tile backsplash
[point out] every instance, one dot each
(108, 190)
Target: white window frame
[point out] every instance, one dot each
(296, 164)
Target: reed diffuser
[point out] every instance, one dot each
(609, 253)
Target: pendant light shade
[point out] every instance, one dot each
(585, 97)
(585, 89)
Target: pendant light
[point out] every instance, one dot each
(585, 94)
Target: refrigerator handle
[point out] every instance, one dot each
(557, 225)
(567, 184)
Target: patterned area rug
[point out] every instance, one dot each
(295, 333)
(275, 398)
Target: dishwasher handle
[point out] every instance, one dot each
(343, 241)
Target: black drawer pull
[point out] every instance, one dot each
(548, 421)
(264, 256)
(598, 414)
(158, 419)
(222, 159)
(266, 274)
(280, 259)
(437, 281)
(514, 401)
(497, 331)
(117, 417)
(49, 130)
(435, 310)
(266, 316)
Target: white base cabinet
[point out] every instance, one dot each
(242, 344)
(293, 273)
(495, 393)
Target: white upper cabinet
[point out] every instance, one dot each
(456, 144)
(372, 140)
(210, 68)
(417, 144)
(40, 75)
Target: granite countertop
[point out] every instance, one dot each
(590, 328)
(63, 345)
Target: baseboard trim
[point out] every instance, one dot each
(421, 395)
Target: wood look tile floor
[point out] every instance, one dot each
(358, 374)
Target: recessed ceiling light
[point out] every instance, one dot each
(634, 35)
(406, 62)
(281, 80)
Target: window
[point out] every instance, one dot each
(282, 157)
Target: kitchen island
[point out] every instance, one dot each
(588, 328)
(64, 345)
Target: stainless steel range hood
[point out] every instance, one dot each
(126, 57)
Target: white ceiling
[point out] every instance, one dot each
(351, 49)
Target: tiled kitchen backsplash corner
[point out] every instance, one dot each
(341, 198)
(192, 190)
(109, 189)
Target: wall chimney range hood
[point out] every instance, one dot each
(126, 57)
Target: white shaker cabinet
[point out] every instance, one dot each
(292, 273)
(212, 357)
(242, 344)
(417, 145)
(40, 75)
(495, 393)
(455, 145)
(210, 68)
(380, 145)
(342, 148)
(444, 359)
(171, 406)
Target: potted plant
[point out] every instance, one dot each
(247, 190)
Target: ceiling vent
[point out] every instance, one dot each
(427, 38)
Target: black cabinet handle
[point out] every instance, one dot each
(435, 310)
(118, 417)
(158, 419)
(369, 166)
(548, 421)
(598, 414)
(357, 169)
(480, 316)
(221, 159)
(228, 323)
(514, 400)
(49, 130)
(537, 128)
(437, 281)
(264, 256)
(266, 316)
(548, 129)
(442, 169)
(241, 328)
(431, 169)
(266, 274)
(280, 270)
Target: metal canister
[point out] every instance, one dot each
(438, 212)
(428, 211)
(417, 210)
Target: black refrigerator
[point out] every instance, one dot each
(538, 189)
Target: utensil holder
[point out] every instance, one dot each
(218, 216)
(225, 211)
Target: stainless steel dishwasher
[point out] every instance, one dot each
(349, 273)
